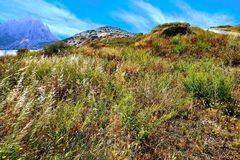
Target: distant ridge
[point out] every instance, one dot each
(102, 32)
(26, 33)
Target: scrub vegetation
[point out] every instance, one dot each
(153, 96)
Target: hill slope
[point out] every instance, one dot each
(164, 95)
(27, 33)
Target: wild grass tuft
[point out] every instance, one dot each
(209, 82)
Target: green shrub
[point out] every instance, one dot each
(25, 53)
(179, 49)
(203, 46)
(155, 47)
(22, 52)
(178, 46)
(208, 83)
(57, 49)
(176, 40)
(181, 66)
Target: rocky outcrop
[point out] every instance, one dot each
(83, 38)
(173, 29)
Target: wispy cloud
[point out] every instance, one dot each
(152, 15)
(60, 21)
(153, 12)
(203, 19)
(139, 22)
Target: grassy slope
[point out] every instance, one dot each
(120, 102)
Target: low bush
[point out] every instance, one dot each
(155, 47)
(179, 49)
(208, 83)
(231, 54)
(25, 53)
(203, 46)
(57, 49)
(176, 40)
(22, 52)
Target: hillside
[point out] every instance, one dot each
(101, 33)
(171, 94)
(27, 33)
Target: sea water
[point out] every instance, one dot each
(8, 52)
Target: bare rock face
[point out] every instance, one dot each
(83, 38)
(173, 29)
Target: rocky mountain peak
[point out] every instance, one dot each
(99, 33)
(26, 33)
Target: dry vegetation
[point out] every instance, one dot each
(152, 98)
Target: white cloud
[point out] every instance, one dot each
(153, 16)
(153, 12)
(138, 21)
(203, 19)
(60, 21)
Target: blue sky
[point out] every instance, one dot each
(68, 17)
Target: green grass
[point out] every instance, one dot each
(209, 82)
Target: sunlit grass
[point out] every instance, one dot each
(141, 101)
